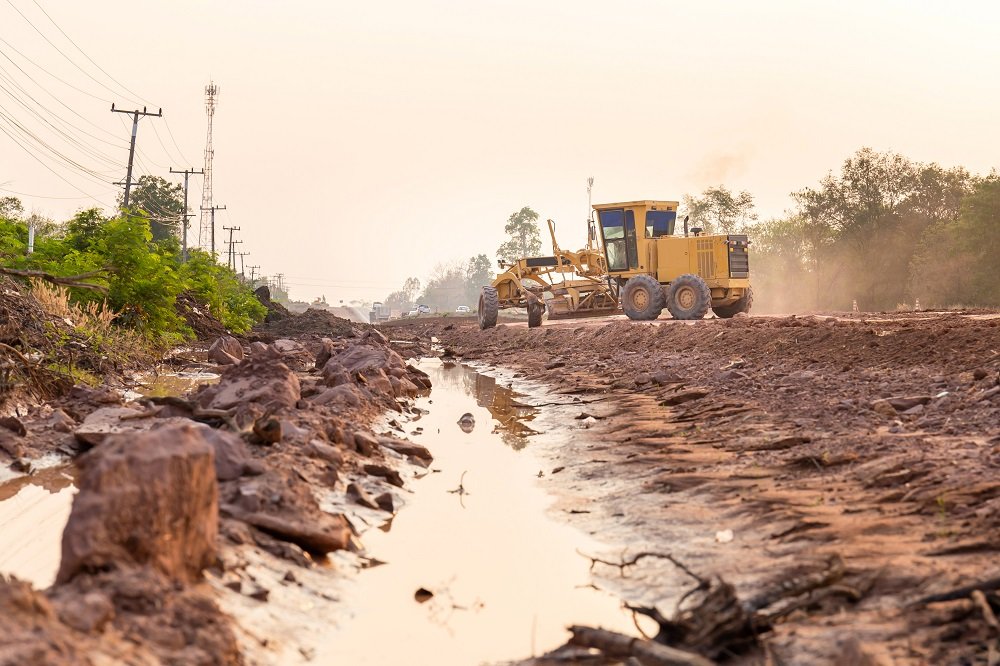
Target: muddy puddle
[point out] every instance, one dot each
(33, 512)
(34, 508)
(476, 569)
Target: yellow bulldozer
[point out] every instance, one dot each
(634, 260)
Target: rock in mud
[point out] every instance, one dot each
(358, 495)
(467, 422)
(60, 421)
(406, 448)
(31, 632)
(280, 504)
(266, 382)
(365, 443)
(145, 499)
(390, 475)
(386, 502)
(343, 395)
(226, 351)
(14, 425)
(101, 424)
(232, 458)
(88, 613)
(324, 451)
(258, 348)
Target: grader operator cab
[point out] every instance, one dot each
(633, 260)
(654, 268)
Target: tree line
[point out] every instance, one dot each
(884, 231)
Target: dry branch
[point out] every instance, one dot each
(67, 281)
(960, 592)
(616, 645)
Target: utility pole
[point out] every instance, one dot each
(281, 283)
(131, 149)
(231, 263)
(213, 209)
(253, 274)
(242, 254)
(184, 220)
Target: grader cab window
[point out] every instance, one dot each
(618, 227)
(613, 227)
(660, 223)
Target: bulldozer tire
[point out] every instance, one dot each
(733, 309)
(535, 315)
(642, 298)
(489, 306)
(688, 297)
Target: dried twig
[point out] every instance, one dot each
(67, 281)
(616, 645)
(624, 563)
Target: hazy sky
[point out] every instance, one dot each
(358, 143)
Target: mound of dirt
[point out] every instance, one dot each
(199, 318)
(310, 322)
(275, 311)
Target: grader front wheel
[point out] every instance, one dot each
(535, 311)
(489, 307)
(642, 298)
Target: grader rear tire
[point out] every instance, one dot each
(642, 298)
(535, 311)
(688, 297)
(733, 309)
(489, 307)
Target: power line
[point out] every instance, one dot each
(86, 148)
(54, 172)
(57, 99)
(120, 84)
(28, 135)
(60, 80)
(61, 52)
(42, 196)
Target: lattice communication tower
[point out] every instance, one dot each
(205, 230)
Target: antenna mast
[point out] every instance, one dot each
(205, 229)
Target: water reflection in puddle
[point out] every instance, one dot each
(33, 512)
(500, 578)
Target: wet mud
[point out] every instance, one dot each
(840, 473)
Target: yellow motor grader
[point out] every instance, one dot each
(633, 260)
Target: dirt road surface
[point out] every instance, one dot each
(858, 451)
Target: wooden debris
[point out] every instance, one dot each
(648, 653)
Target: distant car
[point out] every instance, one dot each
(464, 309)
(423, 309)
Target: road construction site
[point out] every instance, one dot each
(760, 489)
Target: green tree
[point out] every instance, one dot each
(446, 288)
(411, 287)
(525, 239)
(876, 210)
(229, 299)
(478, 273)
(11, 208)
(719, 210)
(162, 202)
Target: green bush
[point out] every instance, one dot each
(144, 276)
